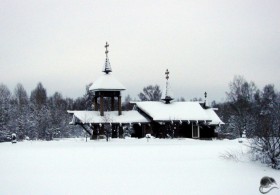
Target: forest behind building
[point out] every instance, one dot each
(247, 110)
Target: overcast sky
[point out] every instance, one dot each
(203, 43)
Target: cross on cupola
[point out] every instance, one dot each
(106, 52)
(107, 66)
(167, 97)
(205, 100)
(167, 74)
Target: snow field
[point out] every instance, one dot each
(129, 166)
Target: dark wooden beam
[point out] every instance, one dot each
(112, 103)
(120, 104)
(95, 104)
(107, 93)
(83, 126)
(101, 105)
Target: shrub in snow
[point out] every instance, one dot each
(232, 155)
(267, 151)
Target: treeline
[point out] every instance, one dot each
(39, 116)
(36, 116)
(253, 113)
(248, 108)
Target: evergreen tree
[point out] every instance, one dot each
(40, 111)
(57, 106)
(39, 96)
(21, 112)
(5, 104)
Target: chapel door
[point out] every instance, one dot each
(195, 131)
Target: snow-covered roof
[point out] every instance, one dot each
(174, 111)
(191, 111)
(214, 117)
(132, 116)
(107, 82)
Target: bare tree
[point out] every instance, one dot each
(181, 99)
(150, 93)
(241, 89)
(127, 105)
(195, 99)
(88, 98)
(20, 95)
(241, 100)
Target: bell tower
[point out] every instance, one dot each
(107, 86)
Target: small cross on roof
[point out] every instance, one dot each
(167, 74)
(106, 46)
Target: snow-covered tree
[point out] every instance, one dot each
(40, 111)
(21, 112)
(59, 117)
(5, 104)
(266, 142)
(37, 117)
(241, 100)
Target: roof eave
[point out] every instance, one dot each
(102, 89)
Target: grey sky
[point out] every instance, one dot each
(203, 43)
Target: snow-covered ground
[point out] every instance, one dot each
(130, 166)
